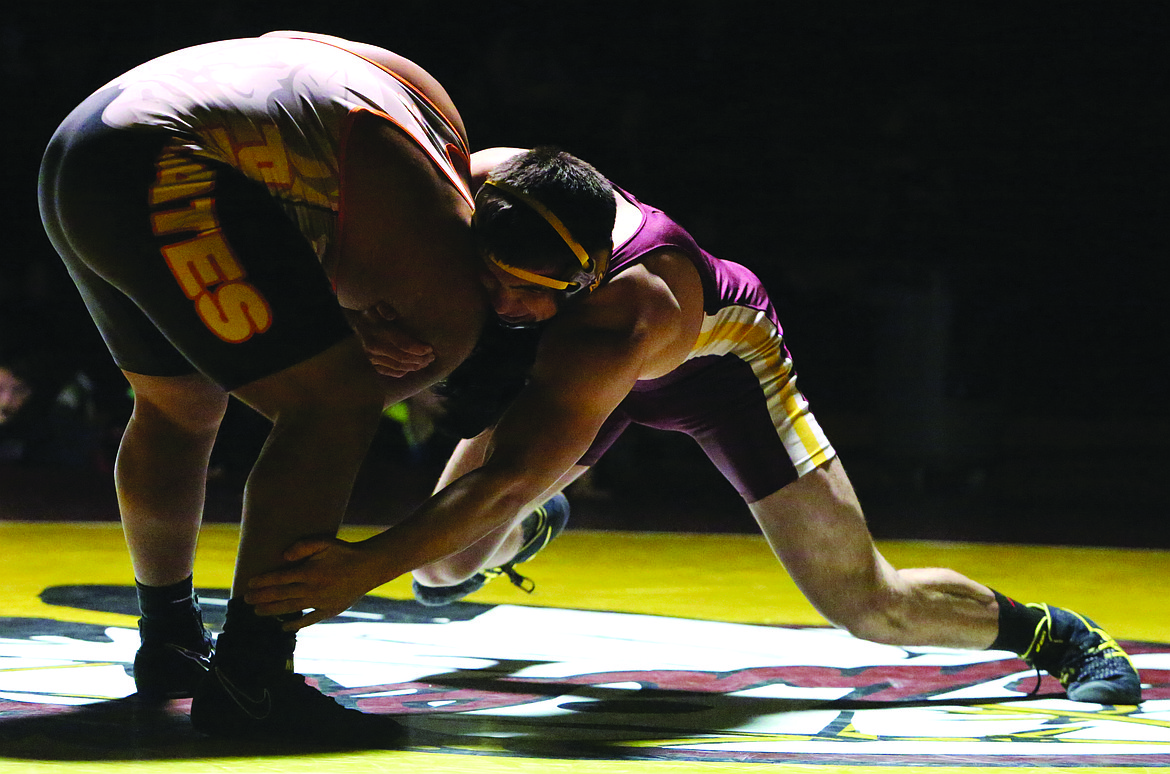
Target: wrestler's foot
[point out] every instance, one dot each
(1089, 663)
(438, 596)
(540, 527)
(167, 667)
(284, 706)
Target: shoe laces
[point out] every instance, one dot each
(538, 536)
(525, 584)
(1068, 659)
(1041, 640)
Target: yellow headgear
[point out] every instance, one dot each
(591, 272)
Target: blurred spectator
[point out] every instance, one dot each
(14, 393)
(51, 419)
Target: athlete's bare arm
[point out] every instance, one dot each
(392, 349)
(405, 244)
(395, 352)
(588, 362)
(324, 412)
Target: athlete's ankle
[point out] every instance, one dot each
(171, 614)
(1017, 625)
(253, 646)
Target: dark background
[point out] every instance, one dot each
(959, 209)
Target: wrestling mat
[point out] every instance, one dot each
(638, 652)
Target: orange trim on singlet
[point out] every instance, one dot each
(401, 79)
(342, 150)
(460, 184)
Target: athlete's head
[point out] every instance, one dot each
(544, 221)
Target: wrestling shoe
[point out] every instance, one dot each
(168, 670)
(540, 527)
(1089, 663)
(288, 708)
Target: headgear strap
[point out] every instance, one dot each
(587, 264)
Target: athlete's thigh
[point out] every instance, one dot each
(733, 414)
(817, 530)
(611, 429)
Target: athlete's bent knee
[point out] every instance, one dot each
(444, 574)
(878, 617)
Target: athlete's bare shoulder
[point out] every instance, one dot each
(405, 240)
(653, 311)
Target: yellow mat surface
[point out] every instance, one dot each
(707, 578)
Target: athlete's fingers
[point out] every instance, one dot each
(274, 592)
(382, 331)
(271, 583)
(396, 362)
(392, 350)
(382, 347)
(308, 619)
(392, 341)
(407, 343)
(385, 311)
(392, 355)
(306, 547)
(275, 607)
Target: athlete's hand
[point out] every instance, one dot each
(391, 350)
(326, 577)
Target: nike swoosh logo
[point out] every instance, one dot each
(257, 709)
(192, 655)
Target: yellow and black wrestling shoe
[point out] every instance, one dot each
(1089, 663)
(540, 527)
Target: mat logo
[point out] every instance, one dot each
(565, 683)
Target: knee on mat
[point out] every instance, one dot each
(878, 618)
(446, 573)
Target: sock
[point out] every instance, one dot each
(254, 646)
(166, 601)
(1017, 625)
(172, 614)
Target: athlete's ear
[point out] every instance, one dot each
(460, 160)
(484, 161)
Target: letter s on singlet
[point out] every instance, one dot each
(210, 276)
(234, 311)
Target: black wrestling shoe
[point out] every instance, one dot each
(285, 707)
(168, 670)
(540, 527)
(438, 596)
(1089, 663)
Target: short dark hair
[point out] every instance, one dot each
(573, 190)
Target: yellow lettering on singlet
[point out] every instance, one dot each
(197, 216)
(180, 178)
(234, 311)
(260, 155)
(210, 275)
(204, 265)
(267, 161)
(202, 262)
